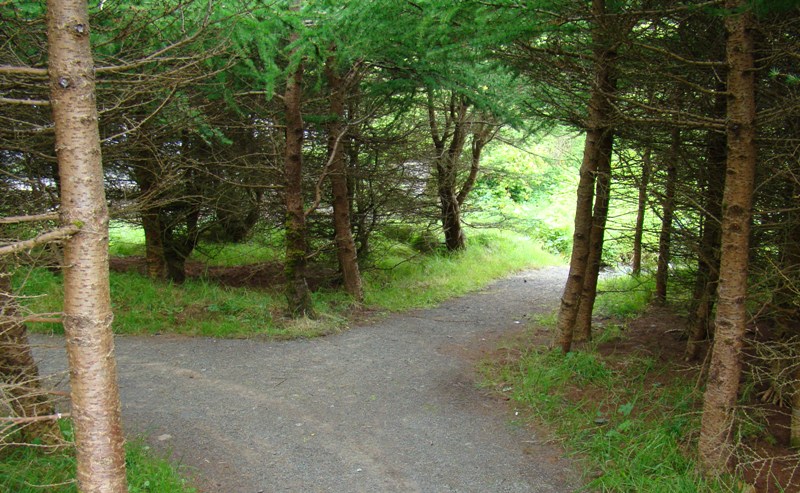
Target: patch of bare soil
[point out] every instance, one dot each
(766, 461)
(263, 276)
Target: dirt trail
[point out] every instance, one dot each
(390, 406)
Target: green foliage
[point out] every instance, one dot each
(630, 430)
(29, 470)
(624, 296)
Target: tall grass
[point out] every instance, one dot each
(402, 281)
(633, 432)
(624, 296)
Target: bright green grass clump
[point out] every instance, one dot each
(411, 282)
(630, 429)
(624, 296)
(29, 470)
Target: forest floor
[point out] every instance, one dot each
(392, 405)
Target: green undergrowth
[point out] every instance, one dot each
(625, 296)
(632, 425)
(629, 426)
(402, 281)
(405, 279)
(197, 307)
(29, 470)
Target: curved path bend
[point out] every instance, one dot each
(389, 406)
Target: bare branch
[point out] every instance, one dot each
(49, 216)
(57, 234)
(31, 71)
(26, 102)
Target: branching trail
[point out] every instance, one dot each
(391, 406)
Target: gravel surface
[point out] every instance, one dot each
(389, 406)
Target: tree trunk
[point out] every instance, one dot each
(153, 245)
(298, 295)
(583, 321)
(446, 163)
(794, 435)
(719, 400)
(345, 246)
(665, 237)
(19, 374)
(641, 208)
(594, 151)
(87, 303)
(707, 276)
(146, 178)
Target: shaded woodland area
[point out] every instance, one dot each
(330, 122)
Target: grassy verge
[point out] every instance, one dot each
(404, 279)
(29, 470)
(631, 423)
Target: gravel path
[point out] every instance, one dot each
(390, 406)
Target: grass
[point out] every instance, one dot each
(403, 280)
(628, 427)
(29, 470)
(401, 283)
(625, 296)
(631, 424)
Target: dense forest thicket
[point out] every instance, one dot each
(331, 124)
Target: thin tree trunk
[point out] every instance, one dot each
(297, 293)
(641, 208)
(719, 400)
(665, 237)
(707, 276)
(446, 161)
(583, 321)
(794, 432)
(345, 246)
(87, 303)
(19, 373)
(594, 151)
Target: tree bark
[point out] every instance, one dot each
(446, 163)
(583, 320)
(298, 294)
(598, 131)
(665, 237)
(87, 304)
(19, 373)
(707, 276)
(345, 246)
(641, 208)
(146, 178)
(719, 400)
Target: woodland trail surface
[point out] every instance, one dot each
(388, 406)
